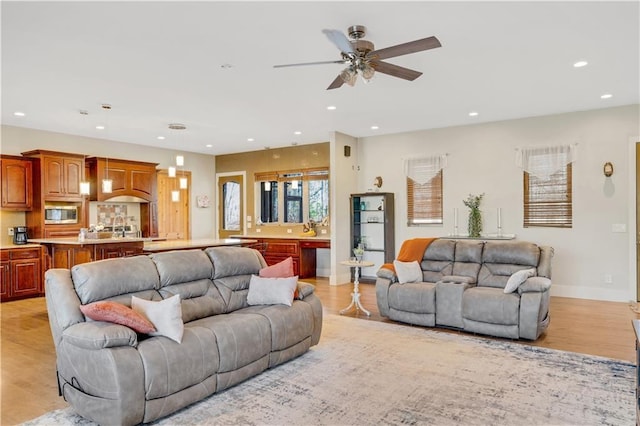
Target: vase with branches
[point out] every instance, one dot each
(475, 215)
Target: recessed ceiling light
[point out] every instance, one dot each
(331, 107)
(161, 138)
(100, 127)
(250, 139)
(19, 114)
(473, 114)
(374, 127)
(606, 96)
(580, 64)
(209, 145)
(297, 133)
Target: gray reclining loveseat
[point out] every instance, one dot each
(112, 375)
(463, 285)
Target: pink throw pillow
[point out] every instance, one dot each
(282, 269)
(117, 313)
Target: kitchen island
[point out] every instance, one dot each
(67, 252)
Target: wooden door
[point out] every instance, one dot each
(173, 216)
(230, 205)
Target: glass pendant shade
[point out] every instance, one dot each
(85, 188)
(267, 186)
(175, 196)
(294, 184)
(107, 186)
(179, 160)
(172, 171)
(349, 76)
(368, 72)
(183, 183)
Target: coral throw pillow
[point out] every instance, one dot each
(117, 313)
(282, 269)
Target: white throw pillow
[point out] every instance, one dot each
(271, 291)
(165, 315)
(518, 278)
(408, 272)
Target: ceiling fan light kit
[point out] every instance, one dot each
(361, 57)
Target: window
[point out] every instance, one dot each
(231, 206)
(269, 201)
(548, 200)
(424, 201)
(292, 203)
(305, 195)
(424, 190)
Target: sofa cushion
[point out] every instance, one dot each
(170, 367)
(271, 291)
(166, 316)
(419, 298)
(407, 272)
(182, 266)
(117, 313)
(511, 252)
(113, 277)
(490, 305)
(234, 261)
(241, 339)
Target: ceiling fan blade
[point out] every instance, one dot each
(310, 63)
(340, 40)
(395, 70)
(405, 48)
(336, 83)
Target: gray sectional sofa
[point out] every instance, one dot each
(112, 375)
(463, 287)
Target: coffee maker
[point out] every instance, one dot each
(20, 235)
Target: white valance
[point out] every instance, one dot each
(422, 170)
(543, 162)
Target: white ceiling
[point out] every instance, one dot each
(161, 62)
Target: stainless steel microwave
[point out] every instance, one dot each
(60, 214)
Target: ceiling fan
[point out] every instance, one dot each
(361, 57)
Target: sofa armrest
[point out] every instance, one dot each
(387, 274)
(304, 290)
(535, 285)
(459, 279)
(99, 335)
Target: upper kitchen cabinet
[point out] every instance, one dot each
(16, 188)
(131, 180)
(60, 174)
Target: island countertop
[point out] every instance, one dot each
(89, 241)
(323, 238)
(159, 246)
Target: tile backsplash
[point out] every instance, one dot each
(105, 213)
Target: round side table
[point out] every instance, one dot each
(355, 296)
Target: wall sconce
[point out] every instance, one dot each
(608, 169)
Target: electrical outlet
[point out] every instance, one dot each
(258, 230)
(10, 232)
(619, 227)
(289, 230)
(323, 231)
(608, 279)
(249, 225)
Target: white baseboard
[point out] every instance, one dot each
(594, 293)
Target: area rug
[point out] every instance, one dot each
(366, 373)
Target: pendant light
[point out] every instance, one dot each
(85, 187)
(107, 184)
(175, 196)
(172, 171)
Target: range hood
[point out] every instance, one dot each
(125, 199)
(133, 181)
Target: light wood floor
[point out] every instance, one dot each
(28, 360)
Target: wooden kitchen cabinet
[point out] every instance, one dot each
(16, 183)
(22, 274)
(302, 252)
(114, 250)
(60, 175)
(132, 179)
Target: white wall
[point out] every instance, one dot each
(17, 139)
(482, 159)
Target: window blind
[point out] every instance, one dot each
(549, 202)
(424, 201)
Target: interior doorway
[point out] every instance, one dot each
(230, 205)
(173, 206)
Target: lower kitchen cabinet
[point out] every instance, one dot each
(303, 253)
(66, 256)
(21, 273)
